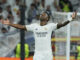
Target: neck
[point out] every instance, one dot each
(42, 24)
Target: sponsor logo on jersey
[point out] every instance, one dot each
(41, 34)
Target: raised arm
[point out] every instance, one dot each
(7, 22)
(59, 25)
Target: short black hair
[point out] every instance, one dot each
(47, 14)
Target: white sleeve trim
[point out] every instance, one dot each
(70, 19)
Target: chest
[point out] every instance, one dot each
(42, 29)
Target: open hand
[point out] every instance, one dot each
(7, 22)
(74, 15)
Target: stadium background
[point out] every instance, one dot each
(10, 37)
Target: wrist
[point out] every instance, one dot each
(70, 19)
(9, 24)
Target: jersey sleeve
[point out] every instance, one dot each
(30, 27)
(54, 26)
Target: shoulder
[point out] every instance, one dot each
(34, 24)
(52, 24)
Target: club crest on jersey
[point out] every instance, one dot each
(45, 28)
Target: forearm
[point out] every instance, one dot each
(65, 23)
(59, 25)
(18, 26)
(69, 19)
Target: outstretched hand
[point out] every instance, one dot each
(74, 15)
(6, 22)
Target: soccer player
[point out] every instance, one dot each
(42, 34)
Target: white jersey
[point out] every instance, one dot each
(42, 35)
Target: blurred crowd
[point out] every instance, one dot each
(11, 9)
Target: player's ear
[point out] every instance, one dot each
(47, 18)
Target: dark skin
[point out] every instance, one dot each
(43, 21)
(59, 25)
